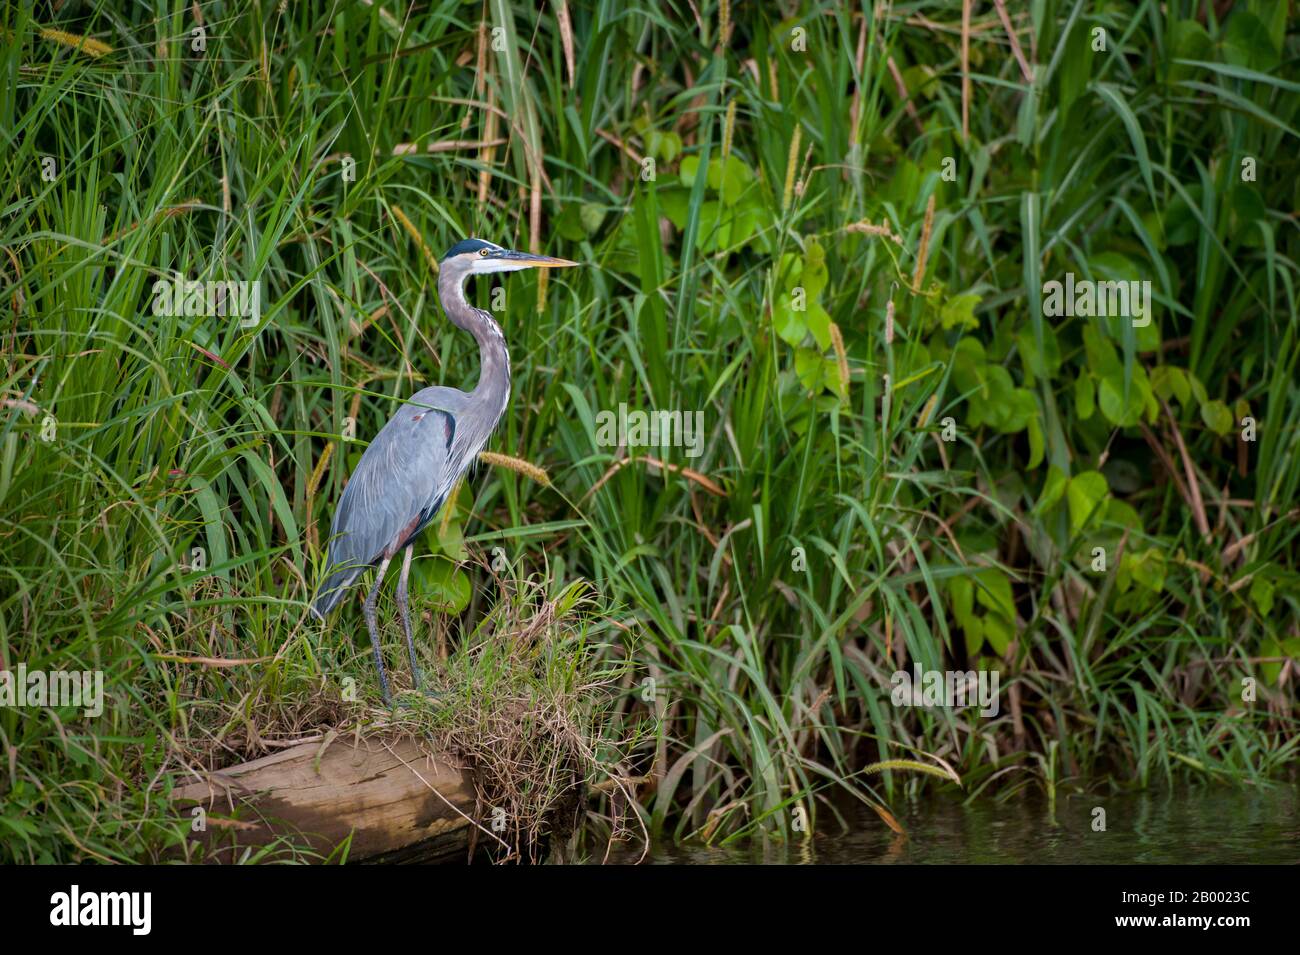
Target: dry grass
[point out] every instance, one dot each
(524, 704)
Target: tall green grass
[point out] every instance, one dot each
(826, 537)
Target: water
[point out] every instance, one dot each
(1189, 826)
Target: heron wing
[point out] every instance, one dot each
(397, 488)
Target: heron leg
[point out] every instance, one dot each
(369, 611)
(405, 613)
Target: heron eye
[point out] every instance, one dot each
(483, 252)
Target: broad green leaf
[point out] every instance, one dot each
(790, 325)
(1149, 569)
(1084, 396)
(451, 539)
(736, 177)
(1037, 443)
(810, 366)
(1261, 594)
(819, 323)
(968, 364)
(1039, 365)
(1118, 512)
(1217, 417)
(1247, 42)
(814, 276)
(1021, 408)
(1110, 396)
(1103, 360)
(1273, 669)
(995, 593)
(959, 312)
(998, 633)
(1190, 41)
(592, 216)
(675, 204)
(442, 583)
(1170, 381)
(689, 167)
(973, 629)
(963, 596)
(1084, 495)
(1053, 490)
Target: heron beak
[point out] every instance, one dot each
(528, 260)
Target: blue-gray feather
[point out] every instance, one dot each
(397, 489)
(468, 245)
(406, 473)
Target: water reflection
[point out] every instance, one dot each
(1189, 826)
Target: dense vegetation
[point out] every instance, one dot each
(827, 229)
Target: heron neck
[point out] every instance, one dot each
(493, 386)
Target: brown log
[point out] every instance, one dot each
(398, 800)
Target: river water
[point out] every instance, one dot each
(1219, 825)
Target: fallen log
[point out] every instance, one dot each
(399, 802)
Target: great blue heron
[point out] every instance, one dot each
(404, 477)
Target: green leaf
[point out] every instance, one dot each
(789, 271)
(732, 178)
(819, 323)
(995, 593)
(676, 205)
(687, 171)
(997, 391)
(1271, 670)
(1084, 496)
(968, 364)
(1261, 594)
(667, 146)
(451, 539)
(963, 596)
(1148, 569)
(815, 275)
(1103, 360)
(1085, 402)
(1110, 396)
(959, 312)
(1021, 408)
(1037, 443)
(1217, 417)
(1170, 381)
(973, 628)
(1053, 490)
(998, 633)
(1247, 42)
(1190, 42)
(569, 224)
(711, 236)
(1110, 267)
(1039, 365)
(810, 366)
(592, 216)
(790, 325)
(442, 583)
(1118, 512)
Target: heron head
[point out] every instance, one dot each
(475, 257)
